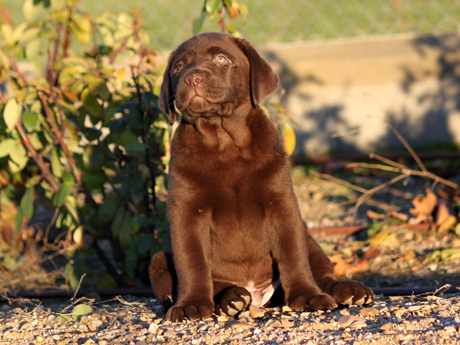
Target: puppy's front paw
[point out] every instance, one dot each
(352, 292)
(190, 311)
(319, 301)
(232, 301)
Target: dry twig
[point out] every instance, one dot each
(392, 166)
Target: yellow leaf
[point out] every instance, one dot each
(289, 140)
(234, 10)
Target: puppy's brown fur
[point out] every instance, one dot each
(235, 227)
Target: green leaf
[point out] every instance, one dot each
(33, 48)
(289, 140)
(244, 12)
(92, 133)
(18, 222)
(56, 166)
(4, 60)
(213, 6)
(81, 310)
(135, 149)
(107, 210)
(107, 36)
(33, 181)
(198, 24)
(31, 11)
(145, 244)
(93, 158)
(35, 141)
(131, 263)
(29, 120)
(125, 230)
(7, 31)
(59, 197)
(91, 104)
(27, 204)
(98, 88)
(19, 158)
(93, 181)
(117, 220)
(12, 113)
(29, 34)
(38, 66)
(6, 146)
(81, 27)
(18, 32)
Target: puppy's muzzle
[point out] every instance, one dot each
(193, 80)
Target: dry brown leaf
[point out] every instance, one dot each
(443, 212)
(401, 216)
(424, 205)
(369, 312)
(347, 267)
(375, 215)
(410, 254)
(448, 224)
(348, 320)
(371, 253)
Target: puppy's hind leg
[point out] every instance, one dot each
(343, 291)
(163, 279)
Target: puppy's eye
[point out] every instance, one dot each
(180, 66)
(222, 59)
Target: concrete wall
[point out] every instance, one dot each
(355, 86)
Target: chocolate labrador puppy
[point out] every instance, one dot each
(236, 232)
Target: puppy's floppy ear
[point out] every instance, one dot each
(166, 100)
(264, 80)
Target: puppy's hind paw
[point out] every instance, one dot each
(231, 301)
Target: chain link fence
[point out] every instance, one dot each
(169, 22)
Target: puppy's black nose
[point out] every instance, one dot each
(193, 79)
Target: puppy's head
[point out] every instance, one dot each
(214, 74)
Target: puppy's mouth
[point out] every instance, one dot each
(205, 104)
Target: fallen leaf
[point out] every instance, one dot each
(349, 320)
(448, 224)
(390, 238)
(398, 215)
(348, 267)
(387, 327)
(424, 205)
(241, 325)
(374, 215)
(369, 312)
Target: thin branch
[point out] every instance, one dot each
(344, 134)
(373, 166)
(407, 146)
(405, 170)
(58, 134)
(78, 287)
(46, 173)
(366, 196)
(343, 182)
(222, 16)
(388, 161)
(67, 37)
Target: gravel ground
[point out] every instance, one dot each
(397, 320)
(401, 258)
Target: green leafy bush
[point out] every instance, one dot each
(81, 133)
(82, 139)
